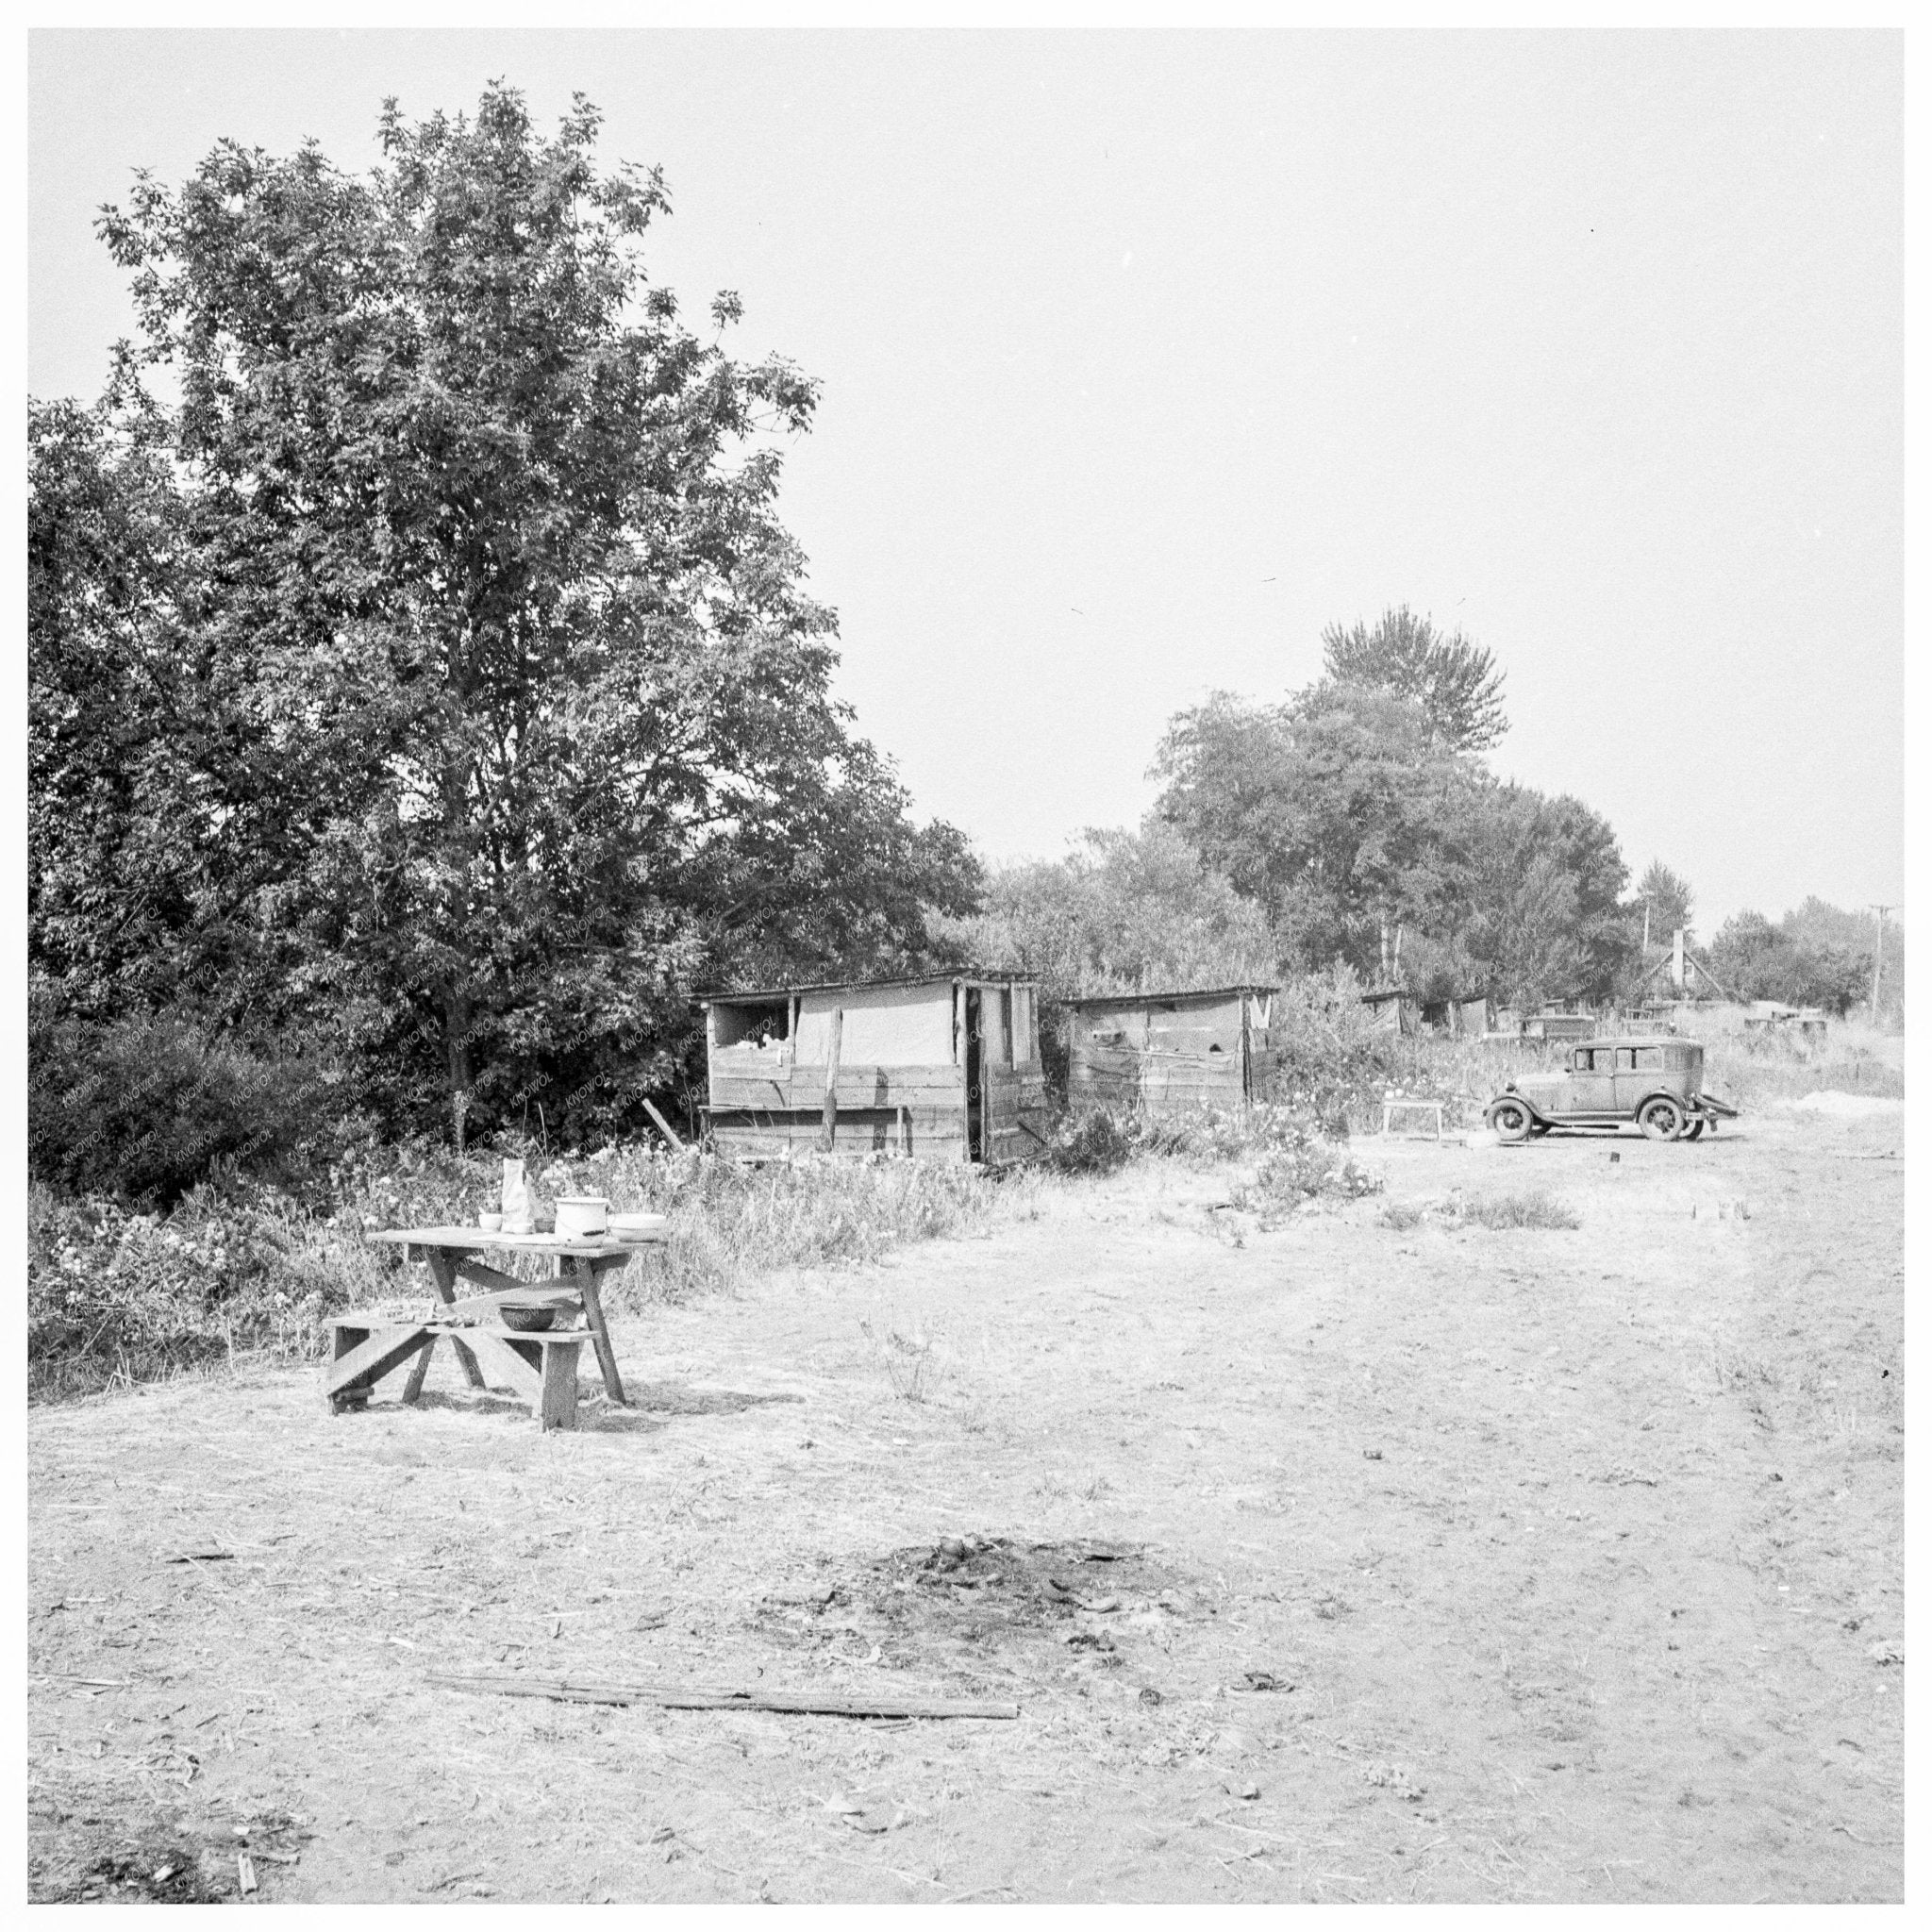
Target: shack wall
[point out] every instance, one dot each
(1165, 1056)
(901, 1085)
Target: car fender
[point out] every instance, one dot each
(1522, 1100)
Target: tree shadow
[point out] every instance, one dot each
(679, 1398)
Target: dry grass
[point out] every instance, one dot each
(1531, 1207)
(116, 1297)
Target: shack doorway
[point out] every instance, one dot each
(975, 1100)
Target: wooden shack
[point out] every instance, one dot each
(942, 1068)
(1169, 1053)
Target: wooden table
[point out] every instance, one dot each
(540, 1363)
(1391, 1107)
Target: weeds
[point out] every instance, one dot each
(1533, 1208)
(911, 1364)
(116, 1295)
(1307, 1170)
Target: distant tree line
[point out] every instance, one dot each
(1354, 824)
(1817, 955)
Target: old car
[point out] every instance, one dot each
(1656, 1080)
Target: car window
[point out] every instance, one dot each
(1626, 1059)
(1650, 1057)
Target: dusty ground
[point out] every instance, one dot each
(1338, 1563)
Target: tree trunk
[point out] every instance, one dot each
(456, 1024)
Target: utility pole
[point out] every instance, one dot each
(1878, 957)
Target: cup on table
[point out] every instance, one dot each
(490, 1222)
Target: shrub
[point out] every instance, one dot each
(1533, 1208)
(147, 1108)
(1331, 1061)
(1299, 1169)
(1097, 1141)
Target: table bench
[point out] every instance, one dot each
(540, 1365)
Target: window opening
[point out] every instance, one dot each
(752, 1025)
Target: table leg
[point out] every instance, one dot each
(557, 1400)
(587, 1274)
(442, 1268)
(413, 1387)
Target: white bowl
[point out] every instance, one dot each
(636, 1223)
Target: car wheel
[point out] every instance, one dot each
(1692, 1132)
(1660, 1119)
(1510, 1120)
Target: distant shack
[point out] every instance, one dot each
(1170, 1052)
(946, 1067)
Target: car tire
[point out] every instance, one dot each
(1662, 1119)
(1510, 1121)
(1692, 1132)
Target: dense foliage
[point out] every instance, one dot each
(1456, 683)
(433, 685)
(1360, 831)
(1808, 960)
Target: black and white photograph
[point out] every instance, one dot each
(965, 963)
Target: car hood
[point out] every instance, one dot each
(1542, 1086)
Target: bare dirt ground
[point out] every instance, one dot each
(1337, 1562)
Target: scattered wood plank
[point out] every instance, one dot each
(801, 1703)
(664, 1126)
(830, 1124)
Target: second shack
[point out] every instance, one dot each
(946, 1067)
(1170, 1052)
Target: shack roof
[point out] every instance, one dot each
(760, 996)
(1165, 999)
(1637, 1040)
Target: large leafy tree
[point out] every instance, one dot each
(1456, 682)
(1804, 960)
(1539, 899)
(516, 714)
(112, 717)
(1339, 811)
(1349, 816)
(1667, 898)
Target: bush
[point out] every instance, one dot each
(118, 1295)
(1534, 1207)
(146, 1109)
(1301, 1169)
(1331, 1061)
(1096, 1141)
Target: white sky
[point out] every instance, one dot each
(1147, 356)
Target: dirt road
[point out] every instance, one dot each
(1338, 1563)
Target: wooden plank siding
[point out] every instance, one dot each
(1173, 1053)
(920, 1134)
(899, 1083)
(856, 1087)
